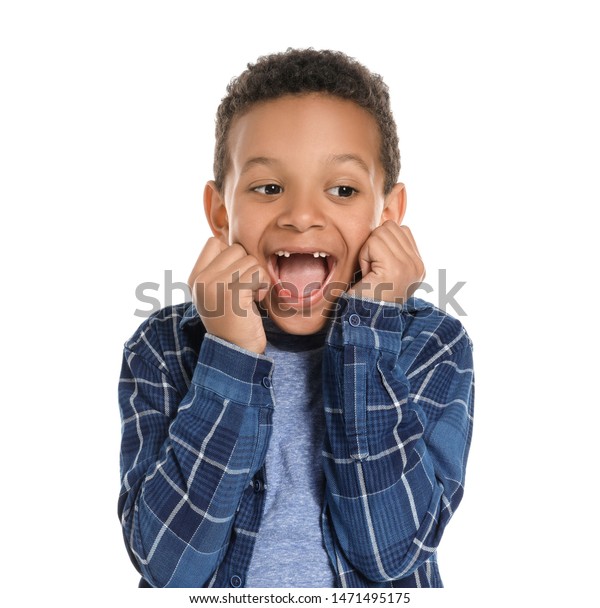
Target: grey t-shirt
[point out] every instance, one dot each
(289, 550)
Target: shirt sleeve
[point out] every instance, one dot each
(399, 409)
(186, 459)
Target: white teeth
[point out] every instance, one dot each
(315, 254)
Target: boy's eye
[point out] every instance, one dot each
(342, 191)
(269, 189)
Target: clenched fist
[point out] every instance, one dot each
(390, 265)
(226, 284)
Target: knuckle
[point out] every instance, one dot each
(238, 249)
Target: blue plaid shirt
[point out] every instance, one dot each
(196, 421)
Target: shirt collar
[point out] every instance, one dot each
(412, 304)
(191, 316)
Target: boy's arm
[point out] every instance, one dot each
(186, 459)
(399, 406)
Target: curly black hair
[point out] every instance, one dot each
(302, 71)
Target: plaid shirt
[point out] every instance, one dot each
(196, 421)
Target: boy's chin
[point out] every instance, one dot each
(298, 322)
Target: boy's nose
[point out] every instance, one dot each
(302, 213)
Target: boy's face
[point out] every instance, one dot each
(305, 178)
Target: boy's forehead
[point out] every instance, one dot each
(303, 104)
(287, 125)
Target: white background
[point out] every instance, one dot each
(106, 138)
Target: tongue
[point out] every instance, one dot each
(302, 273)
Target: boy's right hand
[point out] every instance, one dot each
(226, 283)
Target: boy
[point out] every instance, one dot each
(303, 423)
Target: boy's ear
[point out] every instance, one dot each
(216, 212)
(395, 205)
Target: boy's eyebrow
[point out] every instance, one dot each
(345, 158)
(333, 159)
(257, 160)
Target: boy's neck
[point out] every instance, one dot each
(285, 341)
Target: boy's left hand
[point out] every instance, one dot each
(390, 265)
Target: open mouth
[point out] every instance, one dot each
(300, 277)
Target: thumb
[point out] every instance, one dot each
(364, 260)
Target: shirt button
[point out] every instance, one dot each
(354, 320)
(266, 382)
(258, 485)
(236, 581)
